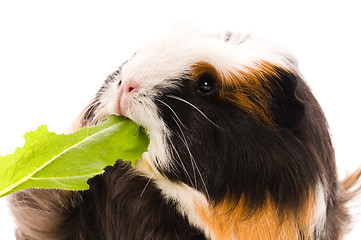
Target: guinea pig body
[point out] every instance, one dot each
(239, 149)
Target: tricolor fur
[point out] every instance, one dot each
(239, 149)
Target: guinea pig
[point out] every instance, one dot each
(239, 149)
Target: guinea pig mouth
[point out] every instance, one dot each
(144, 164)
(145, 114)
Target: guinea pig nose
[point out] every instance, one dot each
(129, 87)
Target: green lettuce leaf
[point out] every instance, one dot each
(48, 160)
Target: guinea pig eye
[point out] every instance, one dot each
(206, 84)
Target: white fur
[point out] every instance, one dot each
(107, 106)
(185, 196)
(320, 211)
(170, 58)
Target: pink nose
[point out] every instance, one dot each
(125, 95)
(128, 87)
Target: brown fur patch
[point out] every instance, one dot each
(249, 88)
(352, 180)
(227, 221)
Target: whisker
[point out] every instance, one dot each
(90, 110)
(181, 164)
(189, 152)
(139, 128)
(201, 177)
(146, 185)
(190, 104)
(87, 112)
(183, 138)
(178, 122)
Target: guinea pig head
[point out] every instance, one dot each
(223, 116)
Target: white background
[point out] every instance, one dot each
(54, 56)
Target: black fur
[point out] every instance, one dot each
(239, 151)
(288, 110)
(286, 162)
(119, 205)
(222, 152)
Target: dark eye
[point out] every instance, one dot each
(206, 84)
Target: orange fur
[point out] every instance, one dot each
(227, 221)
(248, 88)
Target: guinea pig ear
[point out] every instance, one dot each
(287, 109)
